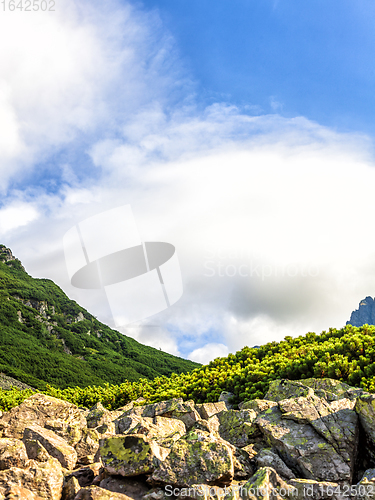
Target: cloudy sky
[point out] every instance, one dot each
(241, 132)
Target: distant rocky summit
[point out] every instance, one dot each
(306, 440)
(365, 314)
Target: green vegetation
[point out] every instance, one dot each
(347, 355)
(46, 338)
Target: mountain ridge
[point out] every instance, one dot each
(48, 338)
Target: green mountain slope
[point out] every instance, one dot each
(47, 338)
(347, 355)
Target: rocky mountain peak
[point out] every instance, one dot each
(6, 254)
(365, 314)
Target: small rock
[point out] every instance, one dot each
(98, 415)
(242, 466)
(258, 405)
(70, 489)
(84, 476)
(226, 397)
(207, 410)
(308, 489)
(88, 445)
(97, 493)
(132, 488)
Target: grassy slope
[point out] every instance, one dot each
(347, 355)
(36, 351)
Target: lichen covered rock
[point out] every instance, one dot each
(285, 389)
(266, 483)
(197, 458)
(131, 455)
(304, 451)
(336, 422)
(236, 426)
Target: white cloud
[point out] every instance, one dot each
(71, 73)
(16, 215)
(284, 210)
(209, 352)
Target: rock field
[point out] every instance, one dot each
(313, 439)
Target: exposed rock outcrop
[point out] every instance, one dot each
(365, 314)
(313, 439)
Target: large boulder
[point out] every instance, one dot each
(285, 389)
(332, 390)
(336, 422)
(15, 492)
(365, 408)
(56, 446)
(236, 426)
(64, 418)
(197, 458)
(43, 479)
(303, 450)
(131, 455)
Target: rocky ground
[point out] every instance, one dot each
(310, 440)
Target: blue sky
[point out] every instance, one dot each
(241, 132)
(311, 58)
